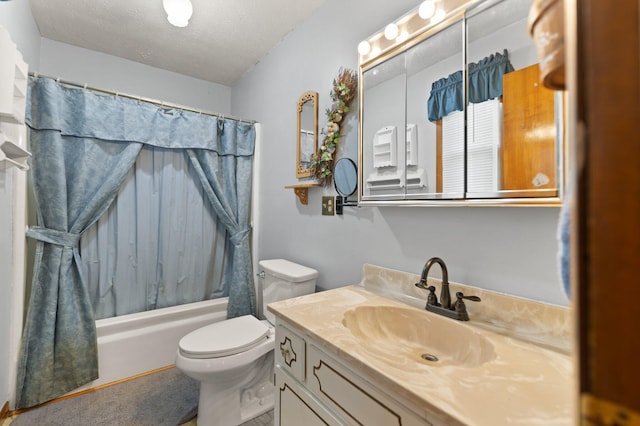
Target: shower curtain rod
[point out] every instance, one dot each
(141, 99)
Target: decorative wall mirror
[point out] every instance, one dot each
(452, 111)
(307, 134)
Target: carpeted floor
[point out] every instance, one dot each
(166, 398)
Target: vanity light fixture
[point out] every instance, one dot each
(391, 31)
(427, 14)
(364, 47)
(178, 12)
(427, 9)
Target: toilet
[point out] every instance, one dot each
(233, 359)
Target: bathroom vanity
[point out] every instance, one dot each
(369, 354)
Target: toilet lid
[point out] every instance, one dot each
(224, 338)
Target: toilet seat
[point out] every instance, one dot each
(224, 338)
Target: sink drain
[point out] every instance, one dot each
(429, 357)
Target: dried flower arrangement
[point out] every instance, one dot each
(343, 92)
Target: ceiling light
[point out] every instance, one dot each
(364, 47)
(391, 31)
(427, 9)
(178, 11)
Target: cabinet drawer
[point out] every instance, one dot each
(290, 352)
(354, 400)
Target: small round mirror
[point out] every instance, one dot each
(345, 176)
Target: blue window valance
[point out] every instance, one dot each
(485, 77)
(485, 82)
(447, 95)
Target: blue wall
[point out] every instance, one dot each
(510, 250)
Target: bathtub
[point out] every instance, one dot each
(130, 345)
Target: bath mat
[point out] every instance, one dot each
(167, 398)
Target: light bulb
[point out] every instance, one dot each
(391, 31)
(178, 12)
(439, 16)
(427, 9)
(404, 35)
(364, 47)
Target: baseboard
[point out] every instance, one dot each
(4, 411)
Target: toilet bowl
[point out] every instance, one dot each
(233, 359)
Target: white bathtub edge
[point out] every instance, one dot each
(135, 344)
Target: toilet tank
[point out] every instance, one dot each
(282, 279)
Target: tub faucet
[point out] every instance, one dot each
(457, 310)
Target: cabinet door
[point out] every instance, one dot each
(351, 396)
(295, 406)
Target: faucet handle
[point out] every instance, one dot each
(461, 308)
(432, 299)
(461, 296)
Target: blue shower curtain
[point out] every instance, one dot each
(83, 145)
(162, 209)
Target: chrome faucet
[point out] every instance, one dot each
(457, 310)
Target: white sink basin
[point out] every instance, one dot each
(418, 336)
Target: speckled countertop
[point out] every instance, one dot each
(524, 375)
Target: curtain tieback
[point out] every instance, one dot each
(52, 236)
(239, 236)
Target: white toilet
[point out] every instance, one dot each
(233, 359)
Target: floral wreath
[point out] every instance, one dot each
(343, 92)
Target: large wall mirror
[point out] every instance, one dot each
(453, 111)
(307, 132)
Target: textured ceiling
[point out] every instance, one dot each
(224, 39)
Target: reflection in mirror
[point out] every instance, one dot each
(307, 132)
(345, 178)
(435, 124)
(455, 111)
(383, 105)
(511, 118)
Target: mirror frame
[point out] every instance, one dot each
(418, 30)
(312, 97)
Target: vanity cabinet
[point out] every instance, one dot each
(314, 387)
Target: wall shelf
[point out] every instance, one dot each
(13, 81)
(11, 155)
(301, 190)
